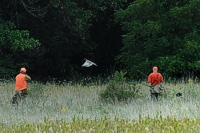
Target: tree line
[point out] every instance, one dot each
(51, 38)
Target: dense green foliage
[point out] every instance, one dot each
(163, 33)
(118, 89)
(12, 42)
(51, 38)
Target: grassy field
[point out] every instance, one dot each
(77, 108)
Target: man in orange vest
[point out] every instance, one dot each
(155, 79)
(20, 86)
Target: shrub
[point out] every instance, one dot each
(118, 88)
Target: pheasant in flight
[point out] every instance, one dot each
(88, 63)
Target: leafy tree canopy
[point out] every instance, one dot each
(12, 43)
(164, 33)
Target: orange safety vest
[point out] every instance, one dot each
(155, 78)
(21, 83)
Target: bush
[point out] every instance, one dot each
(119, 89)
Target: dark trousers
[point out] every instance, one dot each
(154, 96)
(19, 95)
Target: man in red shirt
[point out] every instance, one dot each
(155, 79)
(20, 86)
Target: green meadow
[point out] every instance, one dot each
(77, 108)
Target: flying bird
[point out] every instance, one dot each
(88, 63)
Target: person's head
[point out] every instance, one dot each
(155, 68)
(23, 70)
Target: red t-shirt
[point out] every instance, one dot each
(155, 78)
(21, 83)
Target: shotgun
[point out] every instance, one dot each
(142, 73)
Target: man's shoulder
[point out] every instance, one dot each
(20, 74)
(27, 77)
(151, 74)
(160, 74)
(155, 74)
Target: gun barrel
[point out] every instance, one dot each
(142, 73)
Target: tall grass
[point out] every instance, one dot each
(55, 102)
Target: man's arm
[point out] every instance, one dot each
(149, 78)
(27, 78)
(161, 78)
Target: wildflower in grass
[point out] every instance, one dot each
(190, 81)
(63, 110)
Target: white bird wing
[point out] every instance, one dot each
(88, 63)
(94, 63)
